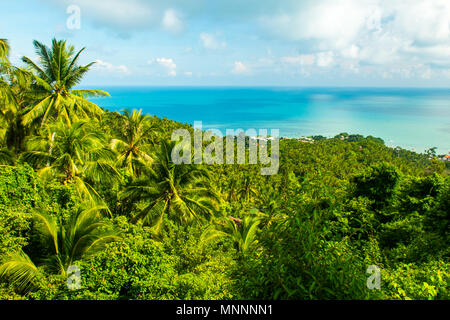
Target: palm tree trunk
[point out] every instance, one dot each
(51, 147)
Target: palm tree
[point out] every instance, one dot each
(6, 157)
(242, 187)
(241, 231)
(246, 188)
(18, 96)
(132, 142)
(8, 108)
(85, 234)
(180, 192)
(4, 50)
(76, 154)
(57, 75)
(4, 70)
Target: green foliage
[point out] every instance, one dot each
(58, 247)
(424, 282)
(19, 187)
(181, 192)
(241, 232)
(14, 227)
(296, 262)
(54, 80)
(133, 141)
(4, 49)
(142, 268)
(100, 190)
(17, 269)
(378, 184)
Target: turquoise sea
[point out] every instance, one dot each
(414, 119)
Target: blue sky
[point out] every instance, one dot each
(244, 43)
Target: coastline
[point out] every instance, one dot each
(415, 120)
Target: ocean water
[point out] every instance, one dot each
(414, 119)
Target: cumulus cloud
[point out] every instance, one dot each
(167, 64)
(109, 67)
(337, 22)
(171, 21)
(126, 17)
(373, 31)
(325, 59)
(240, 68)
(351, 52)
(303, 59)
(374, 36)
(119, 15)
(371, 34)
(321, 59)
(209, 41)
(426, 22)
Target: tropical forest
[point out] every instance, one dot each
(92, 206)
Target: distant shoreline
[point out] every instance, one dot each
(96, 86)
(414, 119)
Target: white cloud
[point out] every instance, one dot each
(350, 66)
(380, 32)
(240, 68)
(408, 71)
(351, 52)
(126, 17)
(109, 67)
(209, 41)
(171, 21)
(424, 21)
(371, 35)
(335, 22)
(167, 64)
(427, 74)
(325, 59)
(303, 59)
(117, 14)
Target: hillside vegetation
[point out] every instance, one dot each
(81, 186)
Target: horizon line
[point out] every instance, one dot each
(264, 86)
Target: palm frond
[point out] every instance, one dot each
(48, 230)
(6, 157)
(209, 234)
(89, 93)
(4, 49)
(38, 111)
(18, 270)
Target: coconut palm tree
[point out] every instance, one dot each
(18, 96)
(8, 109)
(246, 189)
(241, 231)
(4, 71)
(57, 75)
(6, 157)
(85, 234)
(181, 192)
(133, 141)
(4, 50)
(76, 154)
